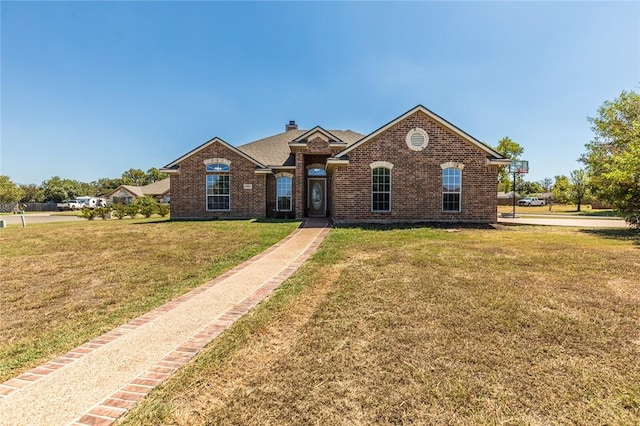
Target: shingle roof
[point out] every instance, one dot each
(275, 151)
(160, 187)
(156, 188)
(135, 190)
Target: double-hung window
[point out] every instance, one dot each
(381, 189)
(284, 193)
(218, 187)
(451, 189)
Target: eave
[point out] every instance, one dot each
(500, 162)
(263, 171)
(336, 162)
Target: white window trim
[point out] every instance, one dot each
(381, 165)
(217, 161)
(459, 167)
(452, 165)
(284, 175)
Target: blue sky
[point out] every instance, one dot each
(91, 89)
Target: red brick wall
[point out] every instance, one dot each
(416, 178)
(316, 151)
(272, 184)
(188, 196)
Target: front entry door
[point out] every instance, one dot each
(317, 197)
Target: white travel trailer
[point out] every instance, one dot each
(92, 202)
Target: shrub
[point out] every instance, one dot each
(163, 209)
(120, 210)
(148, 205)
(103, 212)
(133, 210)
(147, 211)
(88, 213)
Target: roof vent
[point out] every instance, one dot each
(291, 126)
(417, 139)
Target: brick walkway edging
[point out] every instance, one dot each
(108, 410)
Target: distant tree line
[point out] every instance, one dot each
(563, 189)
(57, 189)
(612, 163)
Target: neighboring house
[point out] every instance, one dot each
(506, 198)
(546, 196)
(125, 194)
(416, 168)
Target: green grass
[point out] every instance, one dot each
(65, 283)
(520, 325)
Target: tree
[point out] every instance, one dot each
(32, 193)
(513, 151)
(546, 184)
(105, 185)
(57, 189)
(579, 187)
(9, 191)
(613, 156)
(134, 177)
(139, 178)
(560, 190)
(527, 187)
(155, 175)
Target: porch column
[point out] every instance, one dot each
(299, 186)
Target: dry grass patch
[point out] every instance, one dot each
(422, 326)
(65, 283)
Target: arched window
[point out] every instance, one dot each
(316, 170)
(218, 185)
(284, 192)
(381, 189)
(218, 167)
(451, 189)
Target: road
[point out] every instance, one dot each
(565, 220)
(550, 220)
(16, 219)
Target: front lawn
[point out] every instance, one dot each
(62, 284)
(520, 325)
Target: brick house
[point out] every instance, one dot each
(416, 168)
(125, 194)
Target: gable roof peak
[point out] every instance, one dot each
(332, 138)
(421, 108)
(174, 166)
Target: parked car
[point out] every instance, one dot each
(69, 205)
(531, 201)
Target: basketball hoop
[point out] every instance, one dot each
(519, 166)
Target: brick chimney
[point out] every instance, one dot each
(291, 126)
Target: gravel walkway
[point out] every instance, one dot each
(100, 380)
